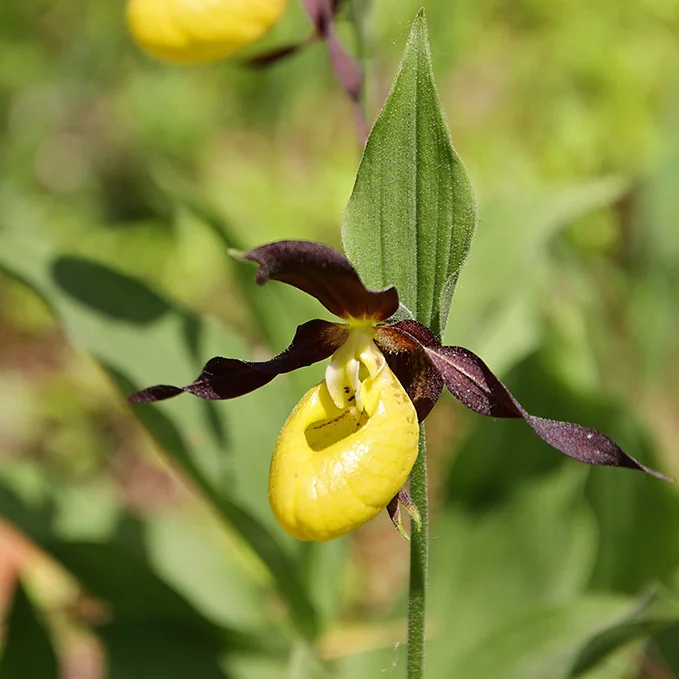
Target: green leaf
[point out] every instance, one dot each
(28, 651)
(412, 214)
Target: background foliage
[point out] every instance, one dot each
(124, 182)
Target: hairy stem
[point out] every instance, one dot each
(419, 558)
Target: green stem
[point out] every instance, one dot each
(419, 559)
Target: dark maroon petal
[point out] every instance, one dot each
(325, 274)
(224, 378)
(401, 344)
(470, 380)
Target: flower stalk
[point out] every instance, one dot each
(419, 563)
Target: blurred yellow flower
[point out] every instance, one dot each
(199, 31)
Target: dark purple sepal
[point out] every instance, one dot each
(224, 378)
(394, 510)
(321, 13)
(277, 54)
(323, 273)
(160, 392)
(403, 347)
(471, 381)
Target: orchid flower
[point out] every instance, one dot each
(199, 31)
(347, 449)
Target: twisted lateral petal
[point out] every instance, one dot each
(471, 382)
(405, 354)
(334, 469)
(325, 274)
(224, 378)
(197, 31)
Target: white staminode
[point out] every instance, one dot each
(345, 368)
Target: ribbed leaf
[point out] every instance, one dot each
(412, 213)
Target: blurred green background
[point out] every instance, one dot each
(123, 183)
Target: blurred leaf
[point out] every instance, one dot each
(496, 564)
(412, 214)
(27, 650)
(658, 205)
(142, 339)
(304, 664)
(389, 662)
(86, 510)
(510, 333)
(148, 650)
(324, 569)
(192, 554)
(29, 509)
(653, 613)
(250, 666)
(277, 309)
(653, 287)
(636, 517)
(125, 583)
(509, 264)
(667, 644)
(541, 644)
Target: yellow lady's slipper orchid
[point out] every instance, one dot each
(348, 447)
(198, 31)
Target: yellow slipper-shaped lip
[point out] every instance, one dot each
(334, 469)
